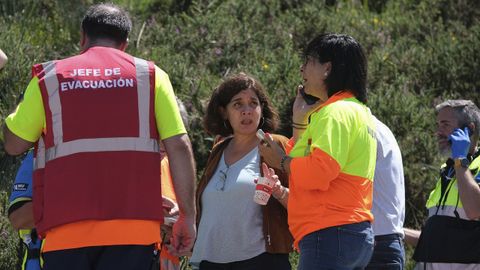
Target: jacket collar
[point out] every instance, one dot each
(338, 96)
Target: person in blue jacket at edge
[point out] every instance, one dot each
(20, 214)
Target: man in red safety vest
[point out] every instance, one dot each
(96, 120)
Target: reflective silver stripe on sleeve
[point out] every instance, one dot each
(447, 211)
(39, 159)
(51, 82)
(143, 92)
(101, 145)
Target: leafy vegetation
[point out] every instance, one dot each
(419, 52)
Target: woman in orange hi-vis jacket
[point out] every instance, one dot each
(331, 158)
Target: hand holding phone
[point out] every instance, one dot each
(309, 99)
(460, 142)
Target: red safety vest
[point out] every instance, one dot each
(99, 157)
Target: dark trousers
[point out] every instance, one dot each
(124, 257)
(261, 262)
(388, 253)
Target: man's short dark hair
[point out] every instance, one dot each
(349, 64)
(107, 21)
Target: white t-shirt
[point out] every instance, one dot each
(388, 184)
(231, 226)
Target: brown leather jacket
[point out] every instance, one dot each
(275, 227)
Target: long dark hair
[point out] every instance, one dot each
(349, 64)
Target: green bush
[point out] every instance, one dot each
(8, 238)
(419, 53)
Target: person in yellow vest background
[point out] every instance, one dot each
(96, 120)
(3, 59)
(20, 214)
(450, 238)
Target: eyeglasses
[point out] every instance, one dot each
(220, 185)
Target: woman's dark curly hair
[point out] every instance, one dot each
(213, 121)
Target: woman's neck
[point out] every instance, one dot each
(239, 146)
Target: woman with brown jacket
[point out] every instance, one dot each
(233, 231)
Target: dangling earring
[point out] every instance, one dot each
(225, 124)
(326, 74)
(263, 122)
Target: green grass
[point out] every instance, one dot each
(419, 52)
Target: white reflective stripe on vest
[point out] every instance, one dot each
(102, 145)
(447, 211)
(143, 92)
(39, 159)
(51, 83)
(143, 143)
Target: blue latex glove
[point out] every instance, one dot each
(460, 140)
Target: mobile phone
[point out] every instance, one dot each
(261, 134)
(309, 99)
(470, 131)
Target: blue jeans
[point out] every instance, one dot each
(388, 253)
(341, 247)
